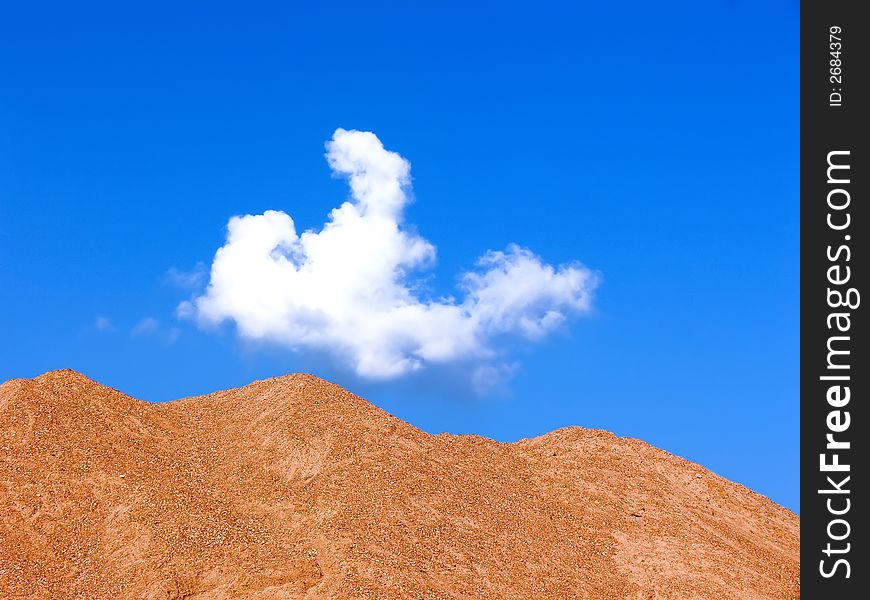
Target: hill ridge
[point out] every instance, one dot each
(322, 494)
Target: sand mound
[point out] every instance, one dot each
(295, 488)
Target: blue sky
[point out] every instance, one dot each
(658, 145)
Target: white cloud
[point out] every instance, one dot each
(346, 289)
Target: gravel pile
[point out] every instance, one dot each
(295, 488)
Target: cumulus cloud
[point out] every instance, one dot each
(348, 289)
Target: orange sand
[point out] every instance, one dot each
(295, 488)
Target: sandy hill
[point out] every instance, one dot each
(295, 488)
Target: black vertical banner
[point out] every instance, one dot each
(835, 222)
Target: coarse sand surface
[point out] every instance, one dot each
(295, 488)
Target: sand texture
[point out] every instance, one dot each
(295, 488)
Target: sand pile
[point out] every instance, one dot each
(295, 488)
